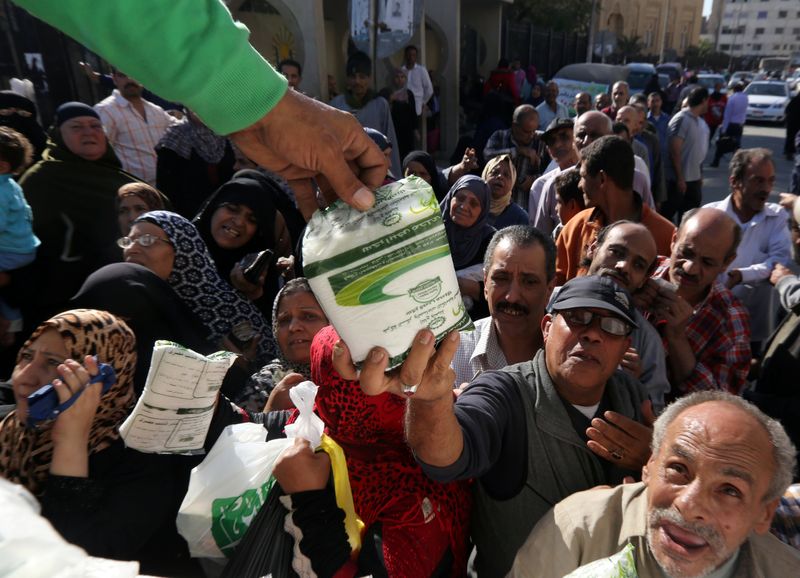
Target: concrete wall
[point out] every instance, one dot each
(444, 18)
(487, 19)
(297, 32)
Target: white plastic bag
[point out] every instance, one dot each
(308, 425)
(227, 489)
(232, 483)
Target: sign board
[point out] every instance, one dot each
(567, 89)
(397, 20)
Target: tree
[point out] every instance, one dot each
(563, 16)
(629, 46)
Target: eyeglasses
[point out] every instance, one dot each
(145, 240)
(583, 317)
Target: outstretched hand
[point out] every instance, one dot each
(425, 367)
(303, 139)
(621, 440)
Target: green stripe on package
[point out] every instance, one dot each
(382, 275)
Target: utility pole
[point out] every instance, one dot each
(592, 26)
(664, 32)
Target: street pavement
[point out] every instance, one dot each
(715, 180)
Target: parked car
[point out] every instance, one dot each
(672, 69)
(740, 76)
(794, 80)
(639, 74)
(709, 81)
(767, 100)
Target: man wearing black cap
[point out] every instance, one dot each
(558, 138)
(521, 431)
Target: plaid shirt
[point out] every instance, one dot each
(133, 138)
(477, 351)
(502, 142)
(719, 334)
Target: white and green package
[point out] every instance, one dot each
(384, 274)
(619, 565)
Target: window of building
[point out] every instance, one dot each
(736, 47)
(756, 47)
(779, 30)
(758, 31)
(724, 46)
(783, 14)
(776, 47)
(796, 31)
(762, 15)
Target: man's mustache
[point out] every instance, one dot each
(508, 307)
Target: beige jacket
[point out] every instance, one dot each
(595, 524)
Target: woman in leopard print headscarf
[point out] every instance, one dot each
(26, 454)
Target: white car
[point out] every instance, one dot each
(767, 100)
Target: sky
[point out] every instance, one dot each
(706, 7)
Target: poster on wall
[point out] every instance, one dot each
(396, 16)
(395, 24)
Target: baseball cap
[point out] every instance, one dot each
(593, 291)
(556, 124)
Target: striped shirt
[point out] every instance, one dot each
(132, 137)
(478, 351)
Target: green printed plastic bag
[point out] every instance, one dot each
(227, 489)
(382, 275)
(620, 565)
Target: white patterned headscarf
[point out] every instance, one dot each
(195, 279)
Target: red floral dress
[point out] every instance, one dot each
(420, 518)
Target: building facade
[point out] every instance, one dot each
(757, 28)
(668, 26)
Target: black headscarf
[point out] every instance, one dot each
(282, 196)
(466, 243)
(238, 191)
(148, 305)
(28, 126)
(426, 161)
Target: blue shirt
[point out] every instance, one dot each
(735, 110)
(661, 123)
(16, 219)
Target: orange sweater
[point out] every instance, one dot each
(577, 235)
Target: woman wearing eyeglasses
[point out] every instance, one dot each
(172, 248)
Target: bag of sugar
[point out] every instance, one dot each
(384, 274)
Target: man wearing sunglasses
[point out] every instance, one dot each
(521, 431)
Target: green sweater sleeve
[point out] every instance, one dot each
(189, 51)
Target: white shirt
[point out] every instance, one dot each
(765, 241)
(133, 138)
(418, 81)
(546, 114)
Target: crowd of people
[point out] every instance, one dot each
(627, 335)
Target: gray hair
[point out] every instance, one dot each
(783, 451)
(523, 236)
(735, 229)
(523, 112)
(743, 158)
